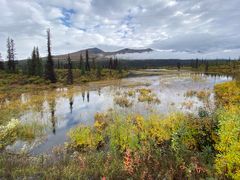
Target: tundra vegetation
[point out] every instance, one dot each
(131, 145)
(121, 145)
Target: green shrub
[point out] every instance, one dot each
(228, 146)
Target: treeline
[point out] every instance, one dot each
(190, 63)
(194, 63)
(150, 63)
(36, 66)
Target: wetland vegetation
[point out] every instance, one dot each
(140, 128)
(91, 121)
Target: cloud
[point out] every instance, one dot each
(198, 42)
(169, 54)
(177, 25)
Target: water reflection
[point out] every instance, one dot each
(71, 104)
(63, 114)
(99, 91)
(88, 96)
(83, 96)
(53, 117)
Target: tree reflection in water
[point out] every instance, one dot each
(53, 117)
(88, 96)
(71, 104)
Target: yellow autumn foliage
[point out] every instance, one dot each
(228, 146)
(227, 93)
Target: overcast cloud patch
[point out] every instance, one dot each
(193, 27)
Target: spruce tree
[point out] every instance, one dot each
(83, 70)
(39, 65)
(49, 68)
(197, 64)
(34, 65)
(9, 58)
(80, 62)
(1, 62)
(58, 64)
(99, 72)
(93, 63)
(13, 52)
(32, 70)
(11, 55)
(110, 65)
(115, 64)
(69, 74)
(87, 65)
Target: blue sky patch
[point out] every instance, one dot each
(67, 19)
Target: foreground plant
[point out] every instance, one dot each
(15, 130)
(228, 145)
(144, 145)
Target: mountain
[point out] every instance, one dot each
(93, 53)
(98, 53)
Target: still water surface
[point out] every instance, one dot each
(62, 109)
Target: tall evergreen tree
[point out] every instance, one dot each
(83, 70)
(58, 64)
(87, 65)
(69, 74)
(9, 58)
(39, 64)
(115, 63)
(110, 65)
(49, 69)
(94, 63)
(1, 62)
(80, 62)
(99, 72)
(197, 64)
(32, 63)
(11, 55)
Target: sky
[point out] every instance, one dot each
(173, 28)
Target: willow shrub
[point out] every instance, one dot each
(156, 143)
(227, 160)
(227, 93)
(228, 146)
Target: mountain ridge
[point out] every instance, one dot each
(98, 53)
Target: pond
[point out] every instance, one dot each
(61, 109)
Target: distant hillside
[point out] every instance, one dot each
(98, 53)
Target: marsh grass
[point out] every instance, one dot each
(18, 83)
(146, 95)
(123, 101)
(15, 130)
(202, 95)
